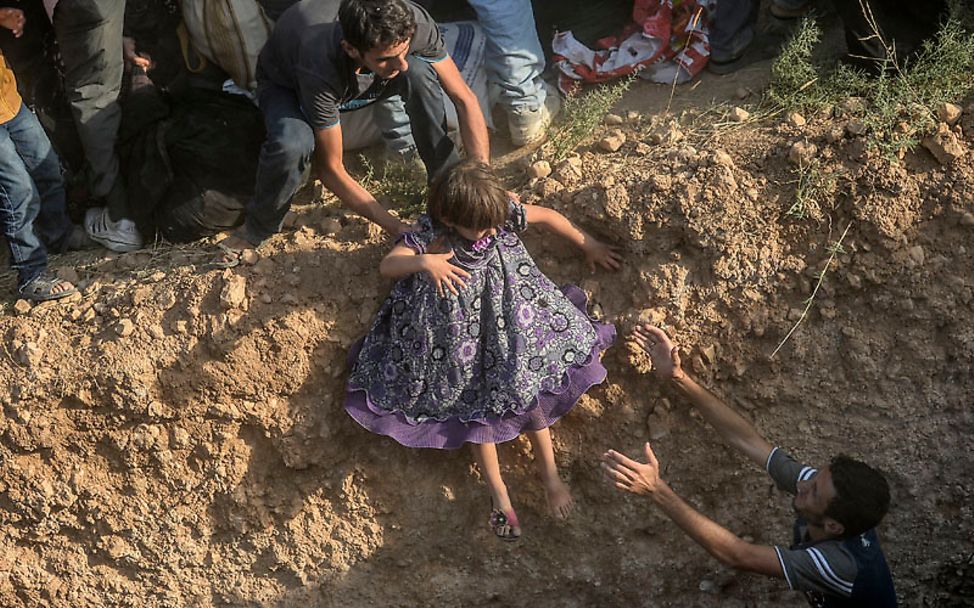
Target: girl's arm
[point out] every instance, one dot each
(403, 261)
(596, 252)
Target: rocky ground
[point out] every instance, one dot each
(174, 436)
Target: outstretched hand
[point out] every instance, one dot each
(598, 253)
(631, 476)
(445, 275)
(659, 347)
(13, 19)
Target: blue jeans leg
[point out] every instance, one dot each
(285, 158)
(514, 58)
(19, 204)
(53, 225)
(393, 122)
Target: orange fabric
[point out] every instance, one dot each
(9, 97)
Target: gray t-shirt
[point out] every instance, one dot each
(825, 567)
(304, 53)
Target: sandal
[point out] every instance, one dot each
(43, 288)
(504, 525)
(229, 257)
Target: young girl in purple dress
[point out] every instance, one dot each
(474, 344)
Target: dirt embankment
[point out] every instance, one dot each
(176, 436)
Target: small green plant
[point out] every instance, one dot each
(401, 185)
(794, 76)
(812, 186)
(581, 116)
(899, 102)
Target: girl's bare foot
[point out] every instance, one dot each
(560, 501)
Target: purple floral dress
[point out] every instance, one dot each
(510, 353)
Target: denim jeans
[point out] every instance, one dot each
(32, 204)
(287, 152)
(514, 58)
(733, 28)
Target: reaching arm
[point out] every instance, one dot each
(473, 128)
(643, 479)
(596, 252)
(330, 168)
(735, 430)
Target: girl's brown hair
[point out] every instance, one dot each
(469, 195)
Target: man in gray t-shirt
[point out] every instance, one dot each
(326, 58)
(835, 557)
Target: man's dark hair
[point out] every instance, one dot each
(375, 24)
(861, 495)
(469, 195)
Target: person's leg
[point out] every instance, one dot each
(514, 58)
(490, 468)
(52, 225)
(285, 158)
(393, 122)
(89, 34)
(420, 89)
(559, 496)
(19, 205)
(514, 61)
(732, 33)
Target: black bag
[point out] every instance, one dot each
(190, 160)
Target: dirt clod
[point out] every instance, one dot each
(739, 114)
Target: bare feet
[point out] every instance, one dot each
(560, 501)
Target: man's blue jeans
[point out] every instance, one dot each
(287, 152)
(32, 203)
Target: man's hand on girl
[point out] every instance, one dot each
(659, 347)
(598, 253)
(444, 274)
(13, 19)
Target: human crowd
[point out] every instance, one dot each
(474, 345)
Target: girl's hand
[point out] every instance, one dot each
(601, 254)
(13, 19)
(443, 273)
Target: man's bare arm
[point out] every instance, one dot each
(735, 430)
(643, 479)
(473, 128)
(330, 168)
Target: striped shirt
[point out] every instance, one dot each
(836, 572)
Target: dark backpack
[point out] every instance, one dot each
(189, 160)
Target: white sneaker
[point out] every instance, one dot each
(529, 126)
(120, 236)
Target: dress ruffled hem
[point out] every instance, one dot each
(453, 433)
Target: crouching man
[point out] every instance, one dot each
(326, 58)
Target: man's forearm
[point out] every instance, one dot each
(732, 426)
(717, 540)
(473, 129)
(358, 199)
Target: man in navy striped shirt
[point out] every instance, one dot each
(835, 557)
